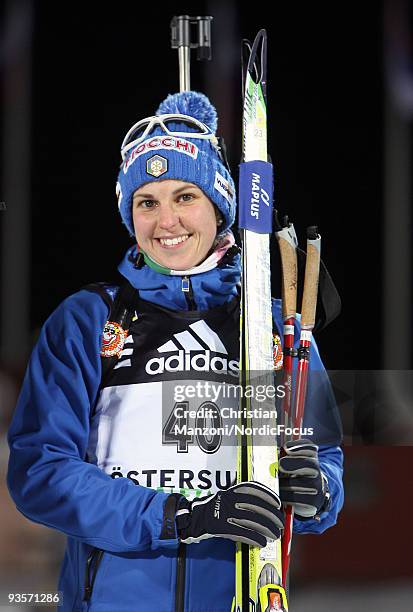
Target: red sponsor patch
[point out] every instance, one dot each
(277, 352)
(113, 339)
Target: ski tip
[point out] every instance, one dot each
(257, 63)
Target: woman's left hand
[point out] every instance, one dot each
(302, 483)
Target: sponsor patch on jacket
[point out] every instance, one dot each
(168, 143)
(113, 339)
(223, 186)
(118, 194)
(277, 352)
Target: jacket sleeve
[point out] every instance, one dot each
(48, 477)
(322, 421)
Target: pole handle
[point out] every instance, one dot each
(287, 243)
(312, 271)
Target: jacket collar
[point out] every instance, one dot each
(211, 288)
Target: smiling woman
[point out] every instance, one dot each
(175, 223)
(101, 446)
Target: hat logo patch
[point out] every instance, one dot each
(157, 165)
(119, 193)
(224, 188)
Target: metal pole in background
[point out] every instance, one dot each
(397, 255)
(15, 61)
(223, 72)
(181, 40)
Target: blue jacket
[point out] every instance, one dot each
(52, 484)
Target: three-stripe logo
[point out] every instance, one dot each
(208, 353)
(189, 342)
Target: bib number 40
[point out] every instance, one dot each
(202, 427)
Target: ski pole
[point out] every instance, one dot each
(181, 40)
(287, 242)
(308, 310)
(312, 270)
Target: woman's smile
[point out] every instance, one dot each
(176, 241)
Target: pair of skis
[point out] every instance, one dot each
(261, 574)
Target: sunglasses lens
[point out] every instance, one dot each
(178, 124)
(137, 132)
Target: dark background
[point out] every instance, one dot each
(96, 69)
(95, 75)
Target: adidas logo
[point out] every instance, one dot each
(188, 343)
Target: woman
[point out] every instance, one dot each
(152, 515)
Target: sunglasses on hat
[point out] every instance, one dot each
(140, 130)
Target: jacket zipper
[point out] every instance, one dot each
(180, 578)
(97, 554)
(188, 292)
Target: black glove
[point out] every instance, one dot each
(248, 512)
(302, 483)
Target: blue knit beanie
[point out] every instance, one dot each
(161, 155)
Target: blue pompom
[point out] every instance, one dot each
(190, 103)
